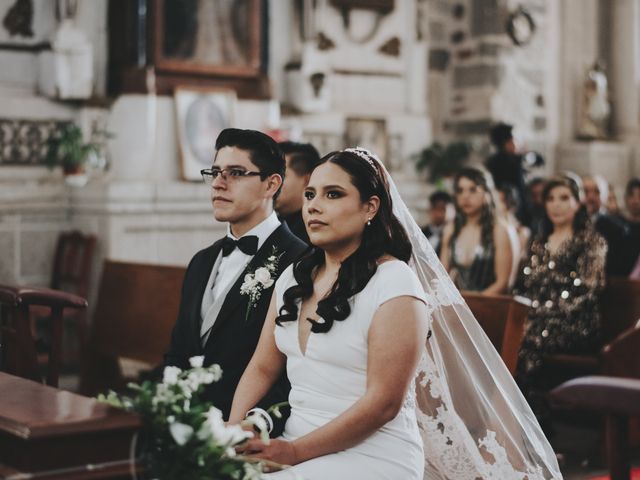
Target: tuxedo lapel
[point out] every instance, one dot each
(234, 299)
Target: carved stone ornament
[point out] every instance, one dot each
(380, 8)
(520, 26)
(391, 47)
(325, 43)
(19, 19)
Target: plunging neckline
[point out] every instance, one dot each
(303, 352)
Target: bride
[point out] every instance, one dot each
(391, 376)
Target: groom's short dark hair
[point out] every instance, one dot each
(263, 150)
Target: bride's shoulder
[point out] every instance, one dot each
(391, 266)
(285, 278)
(386, 259)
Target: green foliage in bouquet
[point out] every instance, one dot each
(442, 161)
(184, 436)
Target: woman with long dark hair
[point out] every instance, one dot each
(349, 321)
(377, 344)
(563, 276)
(476, 248)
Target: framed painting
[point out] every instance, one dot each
(220, 37)
(369, 133)
(201, 115)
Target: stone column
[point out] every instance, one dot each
(625, 68)
(579, 49)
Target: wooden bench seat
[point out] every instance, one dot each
(136, 309)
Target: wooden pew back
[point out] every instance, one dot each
(620, 305)
(502, 318)
(136, 309)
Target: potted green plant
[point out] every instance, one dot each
(68, 150)
(443, 161)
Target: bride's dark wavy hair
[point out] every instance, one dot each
(385, 235)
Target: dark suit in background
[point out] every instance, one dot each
(295, 222)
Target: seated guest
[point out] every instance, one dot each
(563, 276)
(441, 211)
(301, 159)
(519, 235)
(631, 251)
(476, 248)
(596, 194)
(612, 228)
(507, 208)
(612, 206)
(536, 203)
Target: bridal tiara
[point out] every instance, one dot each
(364, 154)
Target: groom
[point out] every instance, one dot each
(218, 318)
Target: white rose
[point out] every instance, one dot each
(214, 426)
(180, 432)
(232, 435)
(197, 361)
(170, 375)
(249, 283)
(263, 276)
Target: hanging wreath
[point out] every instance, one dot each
(520, 26)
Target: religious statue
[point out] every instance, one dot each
(595, 107)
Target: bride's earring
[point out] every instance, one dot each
(368, 222)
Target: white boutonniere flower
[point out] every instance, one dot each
(261, 279)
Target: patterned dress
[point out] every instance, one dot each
(564, 288)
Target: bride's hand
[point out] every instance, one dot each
(277, 450)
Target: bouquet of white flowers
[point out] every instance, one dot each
(184, 436)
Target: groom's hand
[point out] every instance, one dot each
(277, 450)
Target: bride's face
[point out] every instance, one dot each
(334, 214)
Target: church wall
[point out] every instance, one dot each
(426, 73)
(484, 77)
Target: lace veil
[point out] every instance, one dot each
(474, 421)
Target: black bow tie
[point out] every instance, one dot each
(247, 245)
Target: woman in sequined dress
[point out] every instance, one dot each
(563, 276)
(476, 248)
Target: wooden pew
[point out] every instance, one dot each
(620, 308)
(502, 318)
(54, 434)
(17, 344)
(136, 309)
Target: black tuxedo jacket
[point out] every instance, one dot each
(233, 337)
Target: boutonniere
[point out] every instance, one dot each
(261, 279)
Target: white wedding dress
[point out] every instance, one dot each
(332, 376)
(464, 404)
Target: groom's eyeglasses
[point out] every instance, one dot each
(227, 174)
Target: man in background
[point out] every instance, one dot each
(596, 193)
(301, 159)
(509, 168)
(441, 211)
(612, 228)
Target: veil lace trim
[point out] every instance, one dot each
(474, 421)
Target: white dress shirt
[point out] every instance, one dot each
(231, 266)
